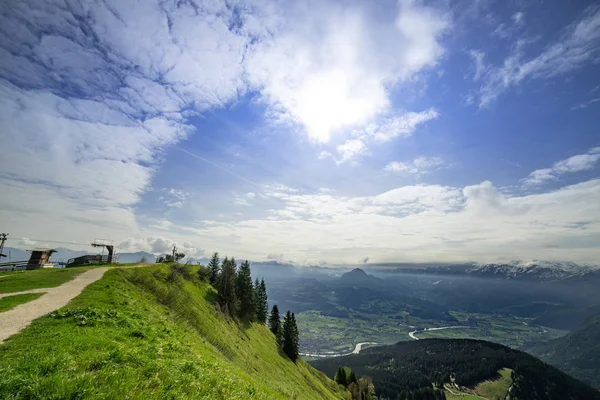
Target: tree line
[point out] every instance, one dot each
(240, 297)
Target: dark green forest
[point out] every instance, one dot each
(409, 370)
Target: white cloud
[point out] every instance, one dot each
(426, 223)
(480, 68)
(174, 198)
(518, 18)
(578, 45)
(586, 104)
(88, 111)
(399, 125)
(350, 149)
(159, 245)
(419, 166)
(330, 67)
(580, 162)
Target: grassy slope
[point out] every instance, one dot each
(9, 302)
(150, 334)
(39, 278)
(495, 389)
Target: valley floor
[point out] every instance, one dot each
(321, 334)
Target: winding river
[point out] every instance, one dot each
(412, 334)
(356, 350)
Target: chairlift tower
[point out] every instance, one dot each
(108, 245)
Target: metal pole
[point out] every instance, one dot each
(2, 240)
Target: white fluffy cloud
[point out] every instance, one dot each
(350, 149)
(159, 245)
(423, 222)
(580, 162)
(330, 66)
(92, 92)
(385, 130)
(578, 44)
(419, 166)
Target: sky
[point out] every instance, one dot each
(314, 132)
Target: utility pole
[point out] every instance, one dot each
(2, 240)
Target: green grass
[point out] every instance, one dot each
(38, 278)
(9, 302)
(495, 389)
(152, 333)
(450, 396)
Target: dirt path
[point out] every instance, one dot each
(12, 321)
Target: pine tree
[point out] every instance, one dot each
(245, 293)
(290, 336)
(275, 325)
(214, 269)
(295, 339)
(340, 377)
(262, 305)
(227, 286)
(352, 377)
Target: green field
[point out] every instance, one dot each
(509, 331)
(152, 333)
(10, 302)
(320, 334)
(38, 278)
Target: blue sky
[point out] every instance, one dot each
(312, 132)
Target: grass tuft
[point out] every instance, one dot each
(10, 302)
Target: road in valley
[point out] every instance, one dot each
(412, 334)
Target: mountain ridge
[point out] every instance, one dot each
(577, 353)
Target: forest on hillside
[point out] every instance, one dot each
(409, 370)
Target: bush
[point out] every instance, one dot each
(203, 273)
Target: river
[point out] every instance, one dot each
(412, 334)
(356, 350)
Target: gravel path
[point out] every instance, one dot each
(12, 321)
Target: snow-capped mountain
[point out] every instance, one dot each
(535, 270)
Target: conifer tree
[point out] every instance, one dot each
(352, 377)
(290, 336)
(245, 293)
(256, 290)
(227, 286)
(262, 305)
(275, 324)
(295, 339)
(214, 269)
(340, 377)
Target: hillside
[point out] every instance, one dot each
(408, 369)
(577, 353)
(152, 333)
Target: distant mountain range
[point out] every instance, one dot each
(516, 270)
(546, 271)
